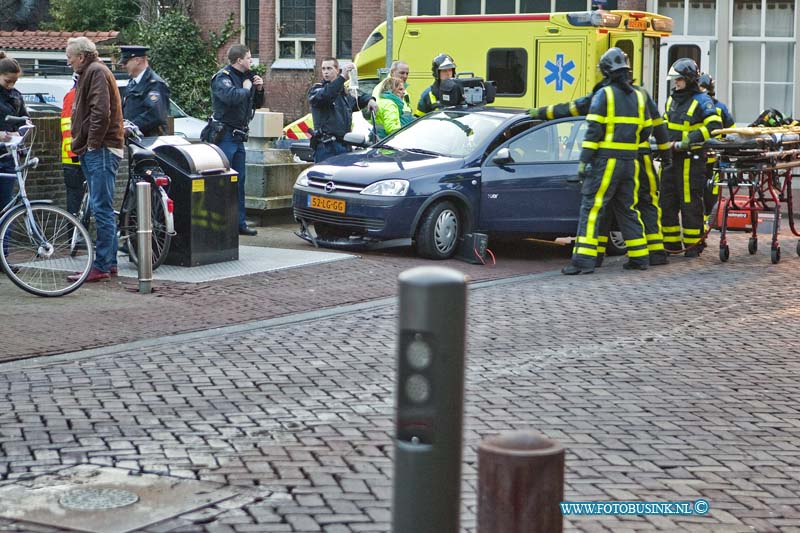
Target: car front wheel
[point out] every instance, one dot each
(439, 231)
(616, 243)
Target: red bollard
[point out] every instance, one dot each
(520, 484)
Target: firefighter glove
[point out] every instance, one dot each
(537, 112)
(682, 145)
(583, 172)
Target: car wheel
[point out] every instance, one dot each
(616, 244)
(439, 231)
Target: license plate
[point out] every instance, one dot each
(637, 25)
(326, 204)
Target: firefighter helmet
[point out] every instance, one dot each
(613, 60)
(684, 68)
(442, 62)
(707, 82)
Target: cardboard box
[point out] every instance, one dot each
(266, 124)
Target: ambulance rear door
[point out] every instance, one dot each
(677, 47)
(560, 70)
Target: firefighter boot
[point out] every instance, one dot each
(598, 261)
(658, 258)
(635, 265)
(571, 270)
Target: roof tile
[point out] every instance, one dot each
(49, 40)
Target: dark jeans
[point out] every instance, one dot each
(235, 153)
(326, 150)
(73, 181)
(6, 190)
(100, 167)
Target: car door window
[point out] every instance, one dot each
(551, 143)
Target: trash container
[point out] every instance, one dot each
(204, 193)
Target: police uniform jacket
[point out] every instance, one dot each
(332, 108)
(11, 103)
(616, 117)
(691, 114)
(232, 104)
(146, 104)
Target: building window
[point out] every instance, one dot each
(508, 68)
(428, 7)
(296, 29)
(344, 29)
(490, 7)
(703, 19)
(763, 56)
(251, 26)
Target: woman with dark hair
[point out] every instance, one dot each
(11, 103)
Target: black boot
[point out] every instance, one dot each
(571, 270)
(630, 265)
(598, 261)
(658, 258)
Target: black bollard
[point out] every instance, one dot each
(430, 401)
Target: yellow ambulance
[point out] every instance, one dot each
(535, 59)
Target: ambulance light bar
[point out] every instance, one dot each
(594, 18)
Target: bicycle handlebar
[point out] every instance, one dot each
(17, 120)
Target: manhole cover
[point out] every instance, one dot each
(97, 499)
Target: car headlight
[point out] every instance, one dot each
(302, 179)
(387, 188)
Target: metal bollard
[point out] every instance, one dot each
(430, 401)
(520, 484)
(144, 237)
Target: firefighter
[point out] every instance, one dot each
(710, 193)
(691, 116)
(609, 166)
(648, 190)
(443, 68)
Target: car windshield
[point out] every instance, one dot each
(449, 133)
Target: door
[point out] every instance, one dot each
(631, 44)
(531, 194)
(677, 47)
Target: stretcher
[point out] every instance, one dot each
(755, 164)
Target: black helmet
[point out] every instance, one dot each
(684, 68)
(707, 82)
(442, 62)
(613, 60)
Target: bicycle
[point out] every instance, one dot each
(142, 166)
(39, 240)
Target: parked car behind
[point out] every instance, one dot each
(449, 173)
(52, 91)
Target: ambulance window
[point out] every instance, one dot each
(508, 68)
(626, 45)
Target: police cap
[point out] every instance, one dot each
(129, 51)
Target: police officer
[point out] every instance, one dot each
(236, 92)
(710, 194)
(332, 109)
(609, 166)
(443, 68)
(691, 117)
(146, 101)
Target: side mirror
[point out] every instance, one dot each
(356, 139)
(502, 157)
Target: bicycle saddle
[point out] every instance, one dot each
(138, 154)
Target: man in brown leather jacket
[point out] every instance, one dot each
(98, 139)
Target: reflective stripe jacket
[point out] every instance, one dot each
(691, 114)
(616, 119)
(427, 101)
(68, 157)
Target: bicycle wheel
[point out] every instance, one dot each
(37, 251)
(160, 238)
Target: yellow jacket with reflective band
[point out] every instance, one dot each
(68, 157)
(615, 122)
(691, 115)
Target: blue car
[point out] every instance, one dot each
(450, 173)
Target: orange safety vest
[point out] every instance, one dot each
(68, 157)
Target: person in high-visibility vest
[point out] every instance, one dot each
(691, 117)
(70, 164)
(609, 166)
(443, 68)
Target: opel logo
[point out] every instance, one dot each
(330, 186)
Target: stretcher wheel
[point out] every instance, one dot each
(724, 253)
(752, 245)
(776, 255)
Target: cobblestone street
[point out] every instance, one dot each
(677, 383)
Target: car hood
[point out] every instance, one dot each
(374, 164)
